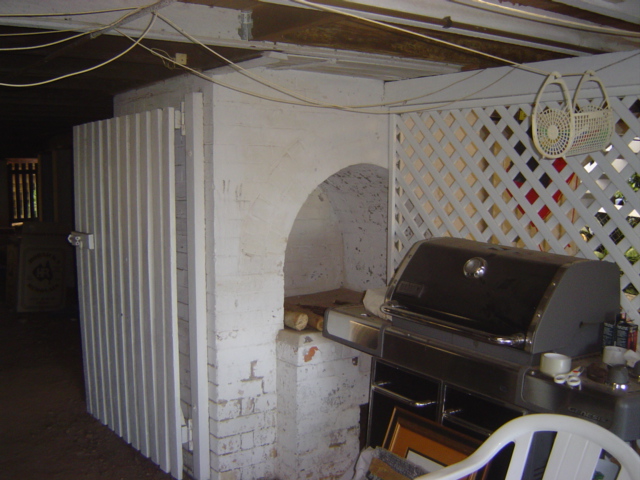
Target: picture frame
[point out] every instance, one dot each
(429, 444)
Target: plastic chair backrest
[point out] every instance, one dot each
(574, 456)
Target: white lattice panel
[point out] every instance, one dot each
(474, 173)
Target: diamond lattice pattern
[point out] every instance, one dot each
(474, 173)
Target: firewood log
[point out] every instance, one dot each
(296, 320)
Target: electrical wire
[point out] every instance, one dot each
(44, 45)
(40, 32)
(420, 35)
(95, 67)
(236, 66)
(514, 12)
(71, 14)
(231, 86)
(397, 106)
(617, 62)
(293, 94)
(93, 33)
(427, 37)
(163, 56)
(406, 105)
(306, 100)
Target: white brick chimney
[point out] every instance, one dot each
(281, 404)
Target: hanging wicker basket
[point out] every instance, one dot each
(552, 127)
(571, 129)
(593, 124)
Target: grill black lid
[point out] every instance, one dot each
(499, 291)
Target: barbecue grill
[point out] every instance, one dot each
(466, 325)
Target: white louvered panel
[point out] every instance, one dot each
(83, 257)
(473, 173)
(121, 274)
(128, 302)
(197, 281)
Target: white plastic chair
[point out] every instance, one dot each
(575, 453)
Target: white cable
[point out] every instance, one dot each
(242, 70)
(453, 45)
(43, 45)
(303, 101)
(307, 100)
(39, 32)
(426, 37)
(514, 12)
(366, 109)
(394, 105)
(71, 14)
(227, 85)
(73, 74)
(131, 11)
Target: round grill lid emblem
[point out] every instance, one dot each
(475, 267)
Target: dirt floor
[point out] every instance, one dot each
(45, 431)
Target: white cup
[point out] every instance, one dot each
(614, 355)
(554, 364)
(632, 357)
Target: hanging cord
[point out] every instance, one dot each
(238, 68)
(44, 45)
(80, 72)
(514, 12)
(305, 100)
(366, 109)
(92, 33)
(450, 44)
(69, 14)
(40, 32)
(420, 35)
(391, 107)
(617, 62)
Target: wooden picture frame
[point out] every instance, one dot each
(428, 443)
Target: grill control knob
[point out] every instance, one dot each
(618, 376)
(475, 267)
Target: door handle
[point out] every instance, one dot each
(81, 240)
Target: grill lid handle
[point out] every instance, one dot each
(512, 340)
(515, 340)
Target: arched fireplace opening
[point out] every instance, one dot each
(336, 250)
(339, 238)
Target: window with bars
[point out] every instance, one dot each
(23, 179)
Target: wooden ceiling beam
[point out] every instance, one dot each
(457, 17)
(274, 22)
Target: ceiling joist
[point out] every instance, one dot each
(422, 38)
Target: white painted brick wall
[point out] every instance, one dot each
(267, 159)
(183, 289)
(314, 258)
(320, 390)
(263, 159)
